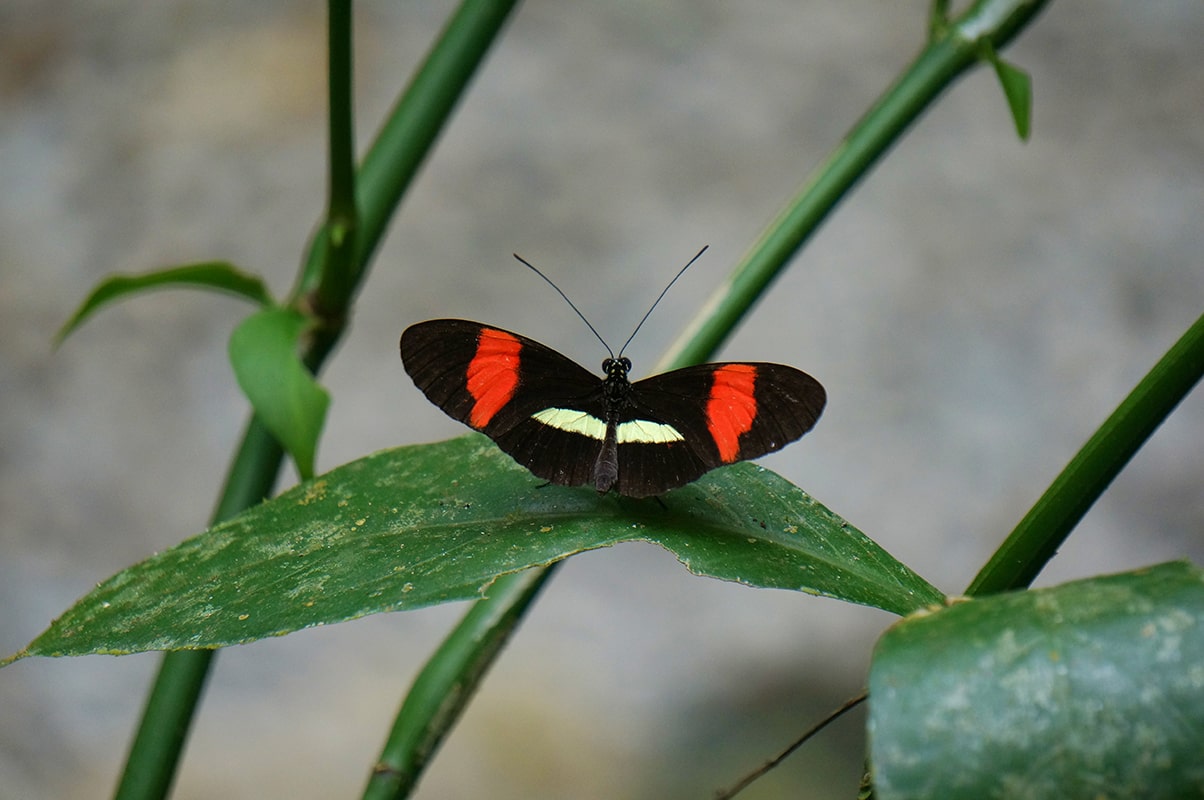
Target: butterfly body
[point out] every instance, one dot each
(571, 427)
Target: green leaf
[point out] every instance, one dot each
(218, 275)
(426, 524)
(1089, 689)
(284, 394)
(1018, 89)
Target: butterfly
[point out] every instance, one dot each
(571, 427)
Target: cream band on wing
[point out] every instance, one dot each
(572, 421)
(636, 431)
(645, 431)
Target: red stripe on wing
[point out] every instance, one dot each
(492, 374)
(731, 407)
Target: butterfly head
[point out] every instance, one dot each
(616, 366)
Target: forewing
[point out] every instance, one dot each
(495, 381)
(465, 367)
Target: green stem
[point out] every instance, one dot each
(341, 203)
(938, 17)
(155, 753)
(935, 69)
(1039, 535)
(423, 110)
(338, 272)
(451, 676)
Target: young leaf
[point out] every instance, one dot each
(1017, 88)
(427, 524)
(1089, 689)
(263, 352)
(218, 275)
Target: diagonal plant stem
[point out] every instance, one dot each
(345, 243)
(443, 689)
(1045, 527)
(938, 65)
(421, 724)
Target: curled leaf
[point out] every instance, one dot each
(217, 275)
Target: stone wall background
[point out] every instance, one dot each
(975, 309)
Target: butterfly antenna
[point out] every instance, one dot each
(531, 267)
(662, 294)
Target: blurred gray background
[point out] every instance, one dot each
(975, 309)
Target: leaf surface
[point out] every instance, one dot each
(1090, 689)
(1018, 89)
(425, 524)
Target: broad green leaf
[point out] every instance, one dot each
(1090, 689)
(218, 275)
(1018, 89)
(426, 524)
(263, 352)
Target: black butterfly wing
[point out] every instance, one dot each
(496, 382)
(550, 414)
(724, 413)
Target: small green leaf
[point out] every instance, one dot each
(263, 352)
(1089, 689)
(218, 275)
(426, 524)
(1018, 89)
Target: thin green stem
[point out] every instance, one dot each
(934, 70)
(338, 240)
(252, 473)
(154, 755)
(938, 17)
(341, 204)
(1045, 527)
(447, 683)
(423, 110)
